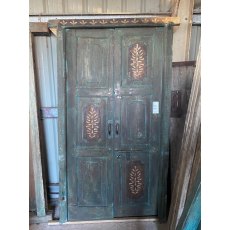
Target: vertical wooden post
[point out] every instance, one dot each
(182, 33)
(35, 138)
(62, 126)
(166, 99)
(188, 149)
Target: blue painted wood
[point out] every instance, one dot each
(191, 216)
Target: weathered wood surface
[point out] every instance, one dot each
(115, 22)
(32, 196)
(182, 77)
(39, 28)
(187, 152)
(35, 146)
(62, 128)
(196, 167)
(182, 33)
(165, 121)
(191, 216)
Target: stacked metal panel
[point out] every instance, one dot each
(55, 7)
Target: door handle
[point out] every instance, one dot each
(109, 129)
(117, 128)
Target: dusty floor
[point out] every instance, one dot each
(147, 225)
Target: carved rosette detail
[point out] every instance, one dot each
(137, 61)
(92, 122)
(135, 181)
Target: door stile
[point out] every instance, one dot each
(165, 118)
(62, 125)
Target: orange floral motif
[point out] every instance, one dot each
(92, 123)
(137, 62)
(135, 181)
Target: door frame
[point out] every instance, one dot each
(61, 25)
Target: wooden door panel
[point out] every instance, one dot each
(135, 183)
(138, 60)
(93, 171)
(92, 121)
(89, 58)
(135, 122)
(91, 196)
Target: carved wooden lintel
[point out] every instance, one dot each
(115, 22)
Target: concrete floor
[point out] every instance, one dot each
(137, 225)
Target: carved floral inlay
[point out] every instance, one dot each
(131, 21)
(137, 61)
(92, 123)
(135, 180)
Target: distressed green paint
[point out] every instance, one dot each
(62, 126)
(99, 140)
(164, 139)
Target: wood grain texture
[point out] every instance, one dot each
(191, 216)
(187, 153)
(166, 100)
(62, 127)
(182, 77)
(35, 140)
(40, 28)
(115, 22)
(182, 33)
(32, 196)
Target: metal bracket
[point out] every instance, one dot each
(176, 107)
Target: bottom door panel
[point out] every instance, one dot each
(135, 185)
(91, 196)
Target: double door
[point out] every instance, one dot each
(113, 117)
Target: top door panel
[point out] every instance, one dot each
(90, 60)
(138, 60)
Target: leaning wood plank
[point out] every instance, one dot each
(39, 27)
(187, 152)
(62, 128)
(35, 139)
(182, 33)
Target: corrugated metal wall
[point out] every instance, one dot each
(46, 67)
(54, 7)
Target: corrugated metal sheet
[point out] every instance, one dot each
(54, 7)
(46, 66)
(195, 42)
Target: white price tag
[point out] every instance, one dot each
(155, 107)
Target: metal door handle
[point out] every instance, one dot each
(117, 128)
(109, 129)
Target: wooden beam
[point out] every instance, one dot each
(175, 8)
(35, 146)
(188, 149)
(182, 33)
(115, 22)
(39, 28)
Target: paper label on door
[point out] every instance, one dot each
(155, 107)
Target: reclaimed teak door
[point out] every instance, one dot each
(115, 111)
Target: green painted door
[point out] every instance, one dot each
(114, 93)
(138, 76)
